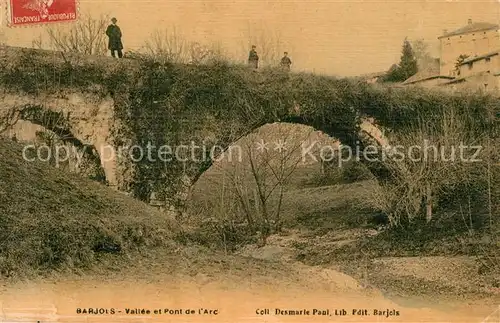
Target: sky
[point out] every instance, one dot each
(334, 37)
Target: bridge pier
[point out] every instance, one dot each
(107, 156)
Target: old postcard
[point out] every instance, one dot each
(249, 161)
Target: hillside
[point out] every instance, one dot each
(54, 220)
(55, 225)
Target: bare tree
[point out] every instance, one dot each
(258, 183)
(8, 120)
(169, 45)
(417, 179)
(269, 44)
(86, 36)
(37, 42)
(200, 54)
(422, 54)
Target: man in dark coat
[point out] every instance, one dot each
(286, 62)
(115, 39)
(253, 58)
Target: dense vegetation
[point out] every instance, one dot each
(218, 103)
(164, 103)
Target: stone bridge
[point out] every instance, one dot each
(103, 107)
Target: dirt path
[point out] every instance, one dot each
(252, 295)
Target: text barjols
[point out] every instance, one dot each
(328, 312)
(147, 311)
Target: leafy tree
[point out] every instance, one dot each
(393, 75)
(459, 62)
(407, 66)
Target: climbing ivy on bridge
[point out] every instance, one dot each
(215, 104)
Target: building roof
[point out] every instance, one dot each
(376, 74)
(480, 57)
(371, 75)
(470, 28)
(420, 77)
(465, 78)
(428, 73)
(457, 80)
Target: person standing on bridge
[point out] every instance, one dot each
(253, 58)
(115, 38)
(286, 62)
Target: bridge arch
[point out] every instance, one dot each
(365, 133)
(126, 104)
(80, 135)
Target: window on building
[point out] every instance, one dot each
(471, 64)
(488, 59)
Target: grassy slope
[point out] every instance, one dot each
(55, 225)
(53, 220)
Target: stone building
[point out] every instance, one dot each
(474, 39)
(479, 69)
(478, 73)
(428, 77)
